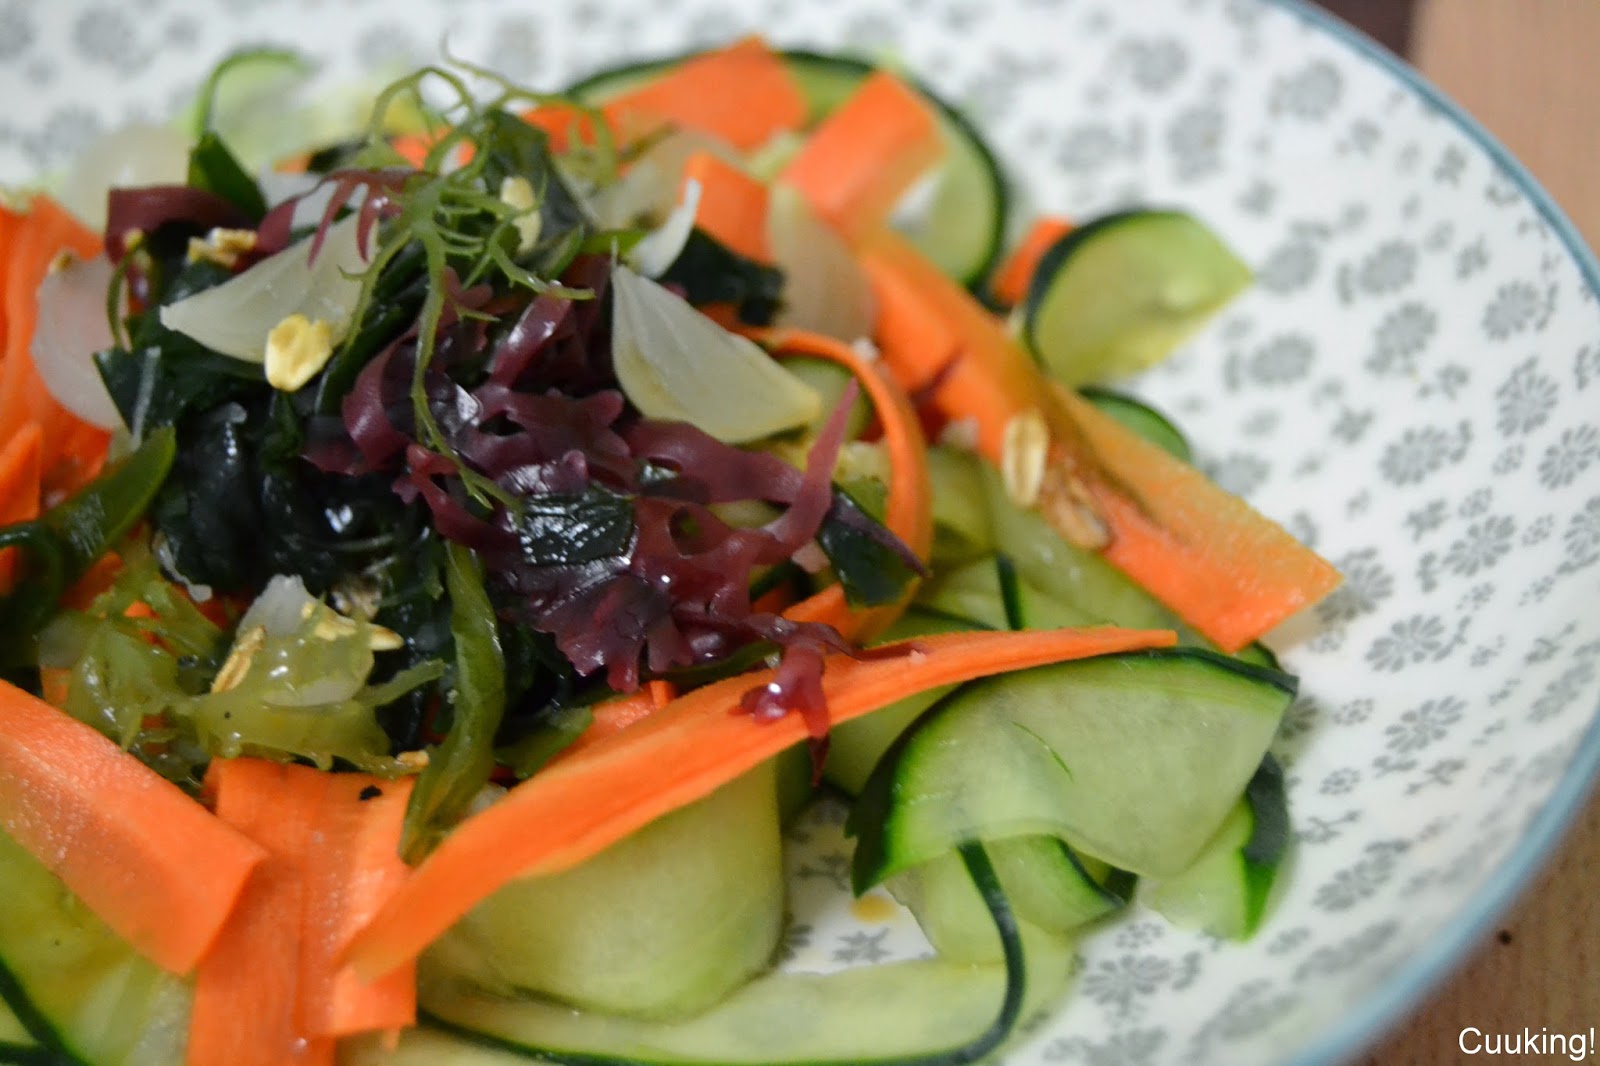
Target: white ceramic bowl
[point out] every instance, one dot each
(1412, 387)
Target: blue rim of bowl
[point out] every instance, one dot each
(1405, 990)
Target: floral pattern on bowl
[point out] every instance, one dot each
(1411, 387)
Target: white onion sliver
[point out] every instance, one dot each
(675, 363)
(71, 327)
(824, 289)
(235, 317)
(280, 608)
(140, 153)
(648, 188)
(655, 255)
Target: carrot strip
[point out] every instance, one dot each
(248, 991)
(579, 806)
(865, 155)
(352, 865)
(332, 842)
(743, 94)
(991, 380)
(1203, 552)
(126, 841)
(1011, 281)
(615, 715)
(733, 205)
(19, 490)
(1225, 569)
(908, 511)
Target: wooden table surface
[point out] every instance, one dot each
(1527, 70)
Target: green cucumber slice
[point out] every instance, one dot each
(1143, 419)
(1226, 891)
(1116, 296)
(1047, 884)
(77, 989)
(964, 225)
(1135, 759)
(664, 923)
(829, 381)
(855, 747)
(933, 1012)
(960, 513)
(990, 591)
(1082, 580)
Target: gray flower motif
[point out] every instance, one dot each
(1452, 164)
(108, 37)
(1353, 713)
(796, 938)
(1570, 456)
(1127, 1047)
(1389, 268)
(1440, 773)
(1282, 360)
(388, 45)
(1472, 259)
(1477, 503)
(1352, 425)
(1513, 309)
(1423, 725)
(1258, 200)
(1525, 399)
(1400, 337)
(1249, 1008)
(1562, 693)
(1367, 583)
(1353, 884)
(1301, 718)
(62, 136)
(862, 946)
(518, 48)
(1483, 545)
(1351, 952)
(1539, 530)
(1290, 266)
(1288, 940)
(1582, 536)
(1116, 984)
(1412, 640)
(1156, 63)
(1509, 461)
(1586, 365)
(1340, 782)
(1421, 452)
(1140, 935)
(1087, 148)
(1318, 831)
(1309, 94)
(1241, 473)
(833, 866)
(1427, 518)
(16, 29)
(181, 33)
(1195, 139)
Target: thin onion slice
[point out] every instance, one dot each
(676, 364)
(655, 255)
(235, 317)
(71, 327)
(139, 153)
(649, 186)
(824, 289)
